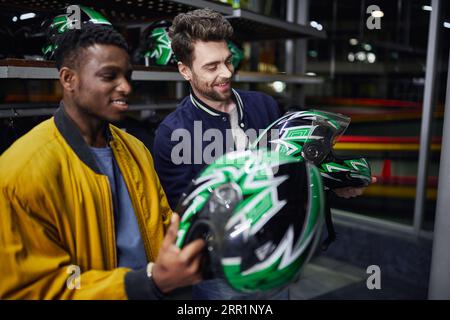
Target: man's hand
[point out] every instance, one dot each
(177, 267)
(351, 192)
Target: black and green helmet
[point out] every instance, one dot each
(261, 214)
(155, 45)
(61, 23)
(237, 54)
(311, 135)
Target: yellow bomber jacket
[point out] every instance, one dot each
(56, 211)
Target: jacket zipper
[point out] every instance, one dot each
(110, 251)
(137, 208)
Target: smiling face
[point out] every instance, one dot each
(102, 83)
(211, 71)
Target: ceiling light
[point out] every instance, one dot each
(361, 56)
(313, 53)
(371, 57)
(26, 16)
(351, 57)
(278, 86)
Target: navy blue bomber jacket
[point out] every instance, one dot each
(179, 155)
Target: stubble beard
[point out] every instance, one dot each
(211, 94)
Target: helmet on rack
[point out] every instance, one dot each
(63, 22)
(155, 45)
(311, 135)
(237, 54)
(261, 215)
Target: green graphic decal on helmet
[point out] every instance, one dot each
(93, 16)
(341, 172)
(284, 264)
(260, 212)
(162, 53)
(311, 135)
(61, 23)
(237, 54)
(232, 167)
(155, 45)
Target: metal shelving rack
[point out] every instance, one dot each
(255, 77)
(29, 69)
(15, 110)
(26, 69)
(248, 26)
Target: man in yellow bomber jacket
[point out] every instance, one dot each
(82, 212)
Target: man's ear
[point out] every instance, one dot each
(185, 71)
(68, 78)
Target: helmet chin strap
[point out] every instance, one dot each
(329, 223)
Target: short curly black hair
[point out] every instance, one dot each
(70, 43)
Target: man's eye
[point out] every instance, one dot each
(212, 68)
(108, 76)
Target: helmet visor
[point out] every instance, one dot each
(320, 136)
(266, 252)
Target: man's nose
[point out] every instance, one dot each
(225, 71)
(124, 86)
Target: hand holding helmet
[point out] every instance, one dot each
(310, 135)
(260, 213)
(177, 267)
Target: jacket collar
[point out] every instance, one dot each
(73, 137)
(199, 104)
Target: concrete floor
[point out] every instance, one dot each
(328, 279)
(323, 275)
(325, 278)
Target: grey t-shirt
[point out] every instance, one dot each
(130, 248)
(239, 136)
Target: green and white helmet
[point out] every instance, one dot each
(237, 54)
(63, 22)
(155, 45)
(311, 135)
(261, 214)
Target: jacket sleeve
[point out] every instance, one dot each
(34, 265)
(273, 109)
(164, 208)
(172, 164)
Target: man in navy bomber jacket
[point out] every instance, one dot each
(212, 120)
